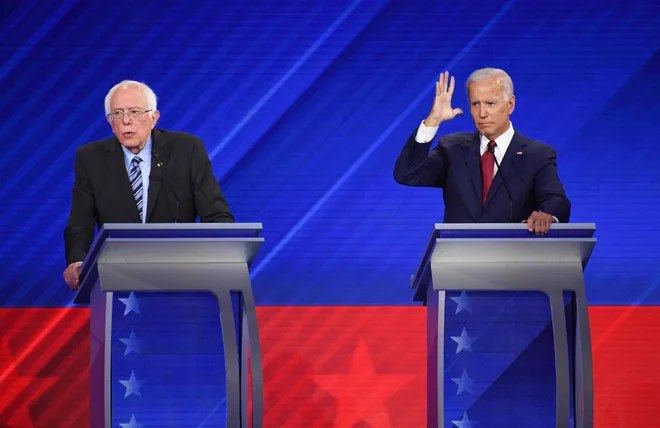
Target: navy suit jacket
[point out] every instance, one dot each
(529, 168)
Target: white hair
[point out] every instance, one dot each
(152, 101)
(490, 73)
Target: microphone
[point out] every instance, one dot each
(491, 149)
(160, 164)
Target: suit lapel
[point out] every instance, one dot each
(509, 163)
(117, 173)
(160, 146)
(471, 155)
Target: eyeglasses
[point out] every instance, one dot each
(133, 114)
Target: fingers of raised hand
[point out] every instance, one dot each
(444, 82)
(451, 86)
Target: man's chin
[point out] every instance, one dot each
(484, 130)
(487, 131)
(130, 144)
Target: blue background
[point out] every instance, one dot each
(304, 106)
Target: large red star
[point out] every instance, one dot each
(17, 392)
(362, 393)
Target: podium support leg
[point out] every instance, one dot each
(435, 324)
(584, 381)
(251, 334)
(231, 358)
(561, 358)
(100, 324)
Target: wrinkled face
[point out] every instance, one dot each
(489, 108)
(129, 117)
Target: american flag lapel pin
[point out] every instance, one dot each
(519, 153)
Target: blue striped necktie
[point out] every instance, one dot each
(135, 177)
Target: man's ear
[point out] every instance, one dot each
(154, 118)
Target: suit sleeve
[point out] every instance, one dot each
(211, 205)
(79, 231)
(549, 191)
(418, 165)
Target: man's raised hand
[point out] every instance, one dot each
(442, 111)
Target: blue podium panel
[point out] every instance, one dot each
(499, 359)
(167, 360)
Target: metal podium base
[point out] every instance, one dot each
(464, 259)
(189, 268)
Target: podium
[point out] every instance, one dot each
(487, 288)
(173, 320)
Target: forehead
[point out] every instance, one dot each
(485, 89)
(128, 96)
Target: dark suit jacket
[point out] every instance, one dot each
(102, 192)
(529, 168)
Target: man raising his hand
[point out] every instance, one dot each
(493, 175)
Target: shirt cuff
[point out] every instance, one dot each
(425, 134)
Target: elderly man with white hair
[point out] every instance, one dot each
(141, 175)
(493, 175)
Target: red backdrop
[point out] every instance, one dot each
(323, 366)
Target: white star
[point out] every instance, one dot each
(464, 341)
(463, 302)
(131, 303)
(132, 424)
(132, 344)
(132, 385)
(464, 383)
(464, 422)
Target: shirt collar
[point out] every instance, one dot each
(502, 141)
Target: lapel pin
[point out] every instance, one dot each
(519, 153)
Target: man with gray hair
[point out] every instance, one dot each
(141, 175)
(493, 175)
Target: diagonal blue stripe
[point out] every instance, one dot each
(423, 96)
(19, 13)
(37, 36)
(309, 52)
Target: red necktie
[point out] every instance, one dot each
(487, 167)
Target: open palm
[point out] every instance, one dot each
(442, 110)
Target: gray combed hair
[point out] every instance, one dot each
(152, 101)
(489, 73)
